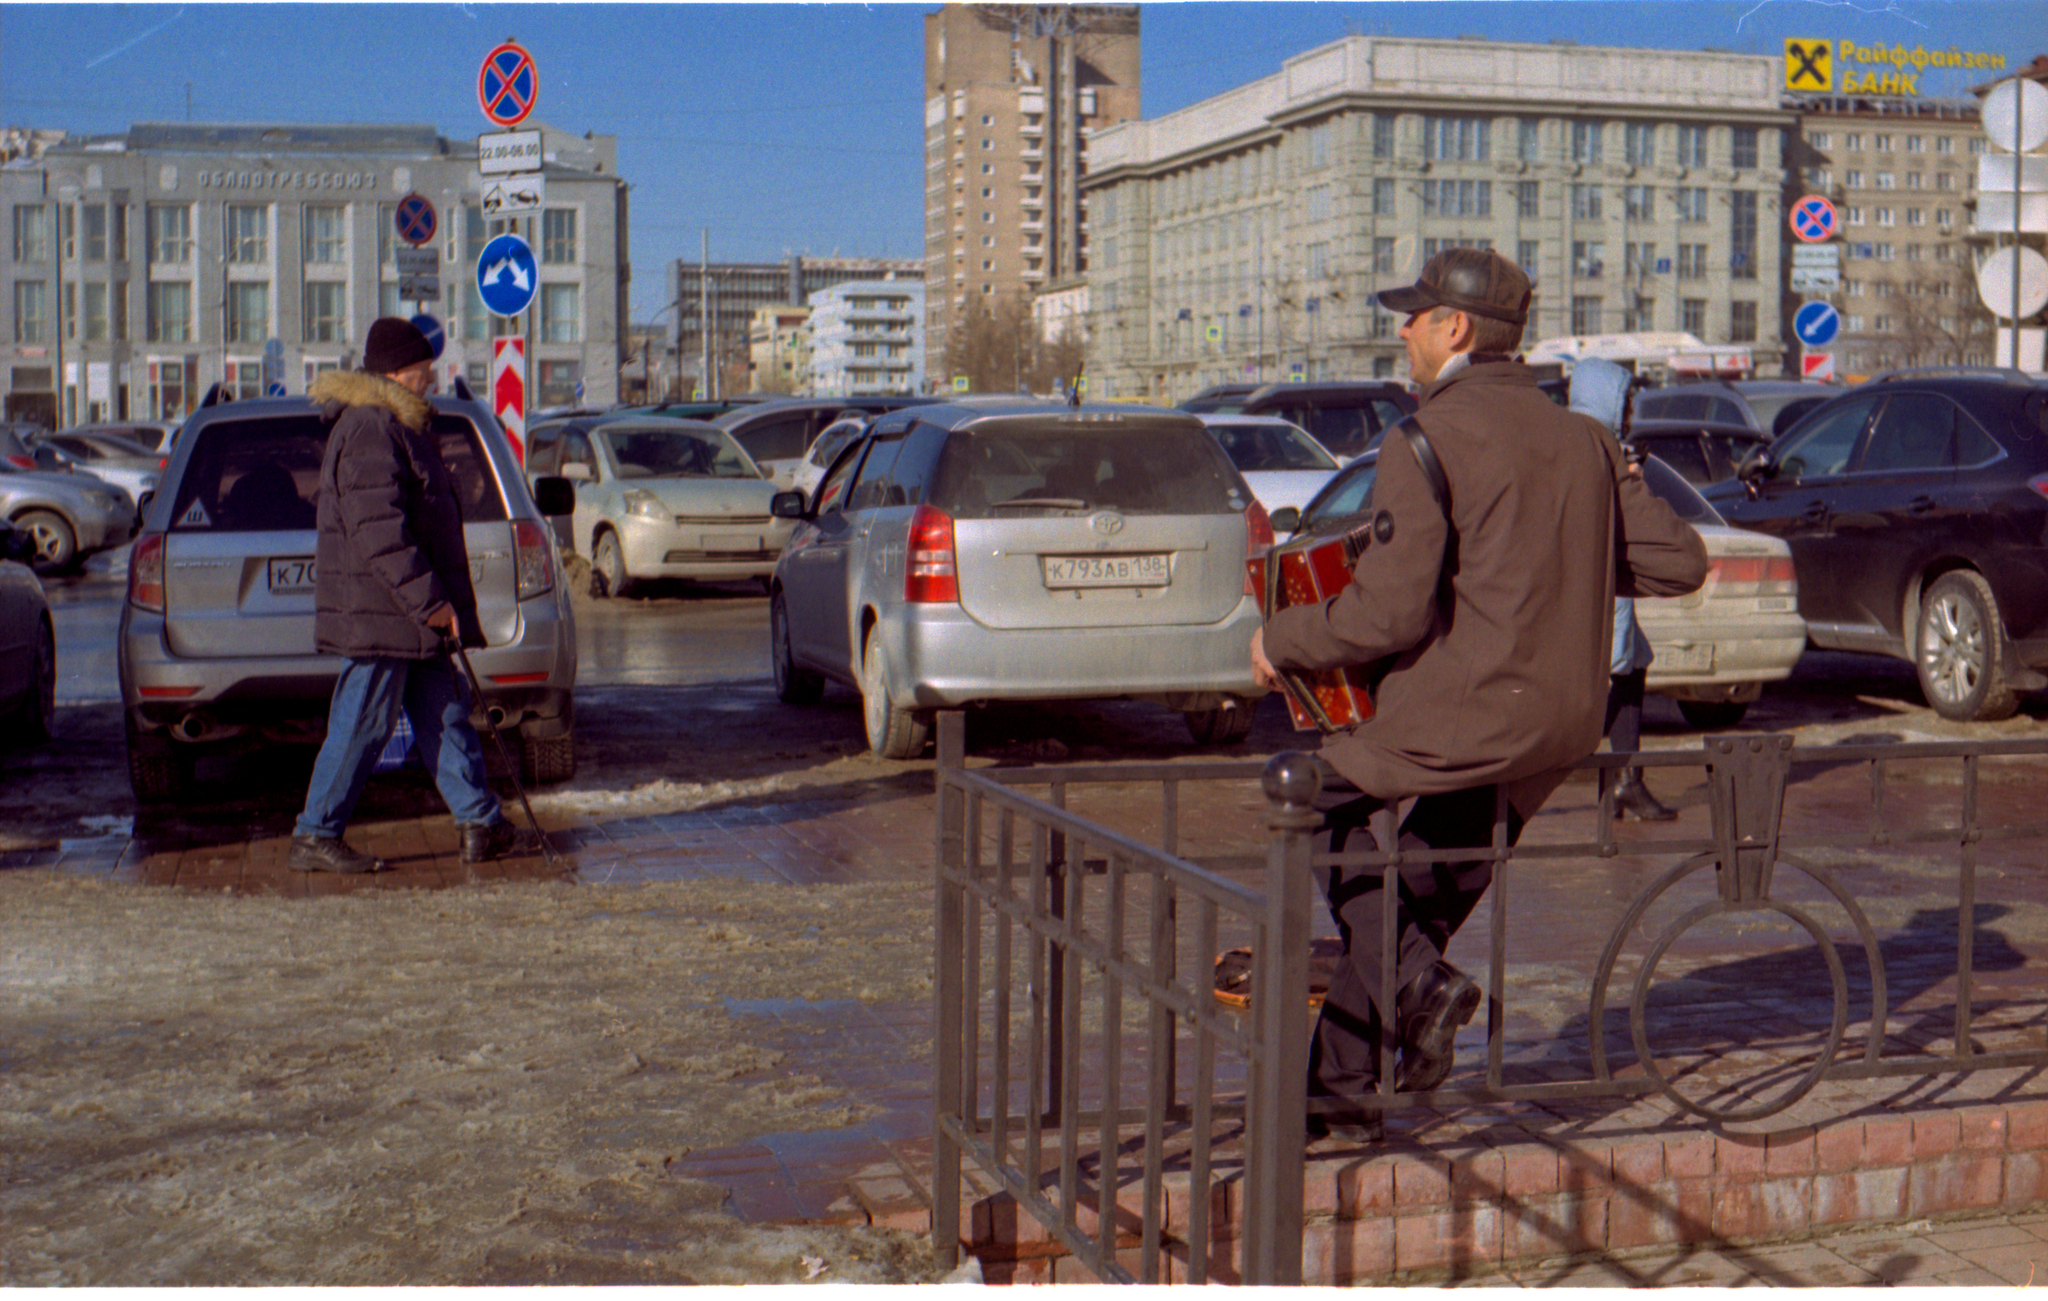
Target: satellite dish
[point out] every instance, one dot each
(1994, 282)
(2013, 108)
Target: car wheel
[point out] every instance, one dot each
(37, 716)
(1712, 715)
(544, 760)
(156, 771)
(892, 733)
(1959, 648)
(608, 564)
(56, 546)
(1227, 724)
(793, 686)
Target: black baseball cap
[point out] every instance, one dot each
(1475, 280)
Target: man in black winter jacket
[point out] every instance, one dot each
(392, 587)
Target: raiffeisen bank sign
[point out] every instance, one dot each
(1812, 66)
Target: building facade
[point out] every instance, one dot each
(728, 294)
(146, 267)
(777, 356)
(867, 337)
(1241, 238)
(1011, 95)
(1902, 174)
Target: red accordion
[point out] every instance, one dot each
(1305, 570)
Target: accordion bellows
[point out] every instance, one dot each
(1311, 570)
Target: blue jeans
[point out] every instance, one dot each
(367, 698)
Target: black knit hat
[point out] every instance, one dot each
(394, 344)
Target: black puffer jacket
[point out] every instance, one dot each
(391, 546)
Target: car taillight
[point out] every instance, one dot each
(930, 574)
(1740, 576)
(1258, 540)
(535, 566)
(22, 462)
(146, 573)
(2039, 483)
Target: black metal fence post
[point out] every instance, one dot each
(949, 984)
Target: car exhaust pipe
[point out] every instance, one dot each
(195, 726)
(496, 715)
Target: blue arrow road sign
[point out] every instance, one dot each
(1817, 324)
(506, 275)
(437, 338)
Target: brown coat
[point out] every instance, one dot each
(1500, 623)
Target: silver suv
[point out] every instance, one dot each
(216, 645)
(1021, 551)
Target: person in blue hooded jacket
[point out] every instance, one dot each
(1606, 392)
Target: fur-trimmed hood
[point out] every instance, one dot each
(359, 388)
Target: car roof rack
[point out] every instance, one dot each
(2004, 373)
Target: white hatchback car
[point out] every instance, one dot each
(1284, 465)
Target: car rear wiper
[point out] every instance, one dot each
(1050, 503)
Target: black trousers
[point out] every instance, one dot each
(1625, 709)
(1434, 901)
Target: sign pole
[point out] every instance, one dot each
(2019, 132)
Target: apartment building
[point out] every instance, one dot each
(1011, 95)
(867, 337)
(1902, 174)
(729, 294)
(778, 358)
(1241, 238)
(144, 267)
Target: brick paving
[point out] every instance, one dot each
(1496, 1193)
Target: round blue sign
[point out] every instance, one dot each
(437, 338)
(507, 277)
(1817, 324)
(274, 389)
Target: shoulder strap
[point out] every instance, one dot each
(1425, 457)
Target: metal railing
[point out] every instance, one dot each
(1048, 921)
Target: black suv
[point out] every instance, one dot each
(1345, 416)
(1916, 508)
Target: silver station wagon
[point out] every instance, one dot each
(216, 645)
(1021, 551)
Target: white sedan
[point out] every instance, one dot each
(1280, 461)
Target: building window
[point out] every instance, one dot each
(248, 234)
(326, 234)
(558, 236)
(1853, 178)
(1460, 139)
(1852, 215)
(1886, 181)
(1692, 202)
(1457, 198)
(1383, 254)
(1318, 203)
(1741, 322)
(1818, 139)
(170, 311)
(1944, 144)
(93, 232)
(1742, 257)
(1916, 216)
(1944, 181)
(1383, 196)
(1318, 147)
(1692, 315)
(326, 312)
(95, 312)
(1639, 142)
(1585, 202)
(248, 311)
(1853, 140)
(1692, 261)
(1589, 258)
(1527, 252)
(1692, 146)
(1586, 142)
(1884, 217)
(1640, 202)
(31, 311)
(1639, 259)
(1977, 145)
(1585, 315)
(1881, 142)
(1316, 260)
(1641, 316)
(1528, 140)
(1382, 135)
(170, 232)
(1742, 149)
(31, 233)
(1916, 181)
(558, 381)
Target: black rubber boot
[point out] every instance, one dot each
(1634, 802)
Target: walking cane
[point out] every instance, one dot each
(504, 752)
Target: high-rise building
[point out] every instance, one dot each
(1011, 95)
(730, 293)
(1241, 238)
(147, 266)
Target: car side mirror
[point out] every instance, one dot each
(554, 495)
(51, 458)
(1286, 519)
(786, 505)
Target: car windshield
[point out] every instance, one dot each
(1351, 492)
(1261, 445)
(643, 453)
(1018, 470)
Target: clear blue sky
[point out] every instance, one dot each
(787, 128)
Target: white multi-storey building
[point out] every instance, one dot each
(1241, 238)
(145, 267)
(866, 336)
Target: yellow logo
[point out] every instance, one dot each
(1808, 66)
